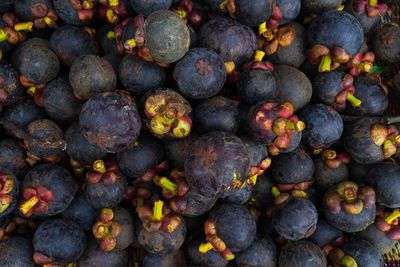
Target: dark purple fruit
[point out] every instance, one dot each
(324, 126)
(114, 229)
(363, 253)
(293, 167)
(90, 75)
(289, 9)
(23, 113)
(81, 212)
(47, 190)
(216, 114)
(368, 21)
(108, 46)
(58, 241)
(230, 39)
(146, 7)
(252, 13)
(164, 260)
(296, 90)
(9, 192)
(261, 196)
(378, 238)
(349, 207)
(74, 12)
(141, 158)
(16, 251)
(40, 12)
(217, 164)
(94, 256)
(324, 234)
(70, 43)
(197, 204)
(295, 219)
(302, 254)
(167, 43)
(328, 173)
(12, 157)
(59, 101)
(386, 44)
(319, 6)
(10, 88)
(110, 121)
(139, 76)
(200, 74)
(176, 150)
(262, 252)
(240, 196)
(79, 149)
(210, 258)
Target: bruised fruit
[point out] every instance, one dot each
(110, 121)
(16, 251)
(217, 164)
(302, 254)
(9, 192)
(94, 256)
(58, 241)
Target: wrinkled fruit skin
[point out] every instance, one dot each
(302, 254)
(110, 121)
(217, 164)
(16, 251)
(364, 253)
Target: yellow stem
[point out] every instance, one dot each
(354, 101)
(259, 55)
(3, 36)
(113, 3)
(205, 247)
(111, 35)
(373, 3)
(262, 28)
(157, 210)
(23, 26)
(395, 215)
(275, 191)
(325, 64)
(28, 205)
(168, 184)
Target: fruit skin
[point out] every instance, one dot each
(70, 42)
(359, 144)
(79, 149)
(23, 9)
(36, 61)
(253, 13)
(336, 28)
(23, 113)
(169, 43)
(59, 101)
(62, 240)
(67, 13)
(294, 54)
(110, 121)
(58, 180)
(326, 177)
(289, 9)
(261, 253)
(198, 204)
(230, 39)
(176, 150)
(378, 238)
(164, 260)
(297, 90)
(139, 76)
(324, 126)
(261, 196)
(90, 75)
(319, 5)
(14, 193)
(16, 251)
(386, 44)
(105, 195)
(385, 179)
(146, 7)
(257, 85)
(10, 83)
(81, 212)
(136, 160)
(374, 99)
(368, 23)
(235, 225)
(106, 46)
(94, 256)
(12, 157)
(210, 258)
(159, 241)
(240, 196)
(327, 86)
(295, 219)
(324, 233)
(216, 114)
(200, 74)
(293, 167)
(302, 254)
(216, 164)
(364, 253)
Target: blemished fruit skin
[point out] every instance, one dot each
(10, 85)
(302, 254)
(16, 251)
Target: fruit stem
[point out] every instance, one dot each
(182, 14)
(113, 3)
(23, 26)
(395, 215)
(373, 3)
(230, 67)
(168, 185)
(262, 28)
(3, 36)
(131, 43)
(49, 22)
(223, 5)
(354, 101)
(157, 210)
(5, 202)
(275, 191)
(251, 180)
(205, 247)
(348, 261)
(99, 166)
(29, 204)
(111, 35)
(325, 64)
(139, 203)
(259, 55)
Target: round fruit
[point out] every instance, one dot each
(302, 254)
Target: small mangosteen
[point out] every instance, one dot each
(110, 121)
(169, 43)
(302, 254)
(17, 251)
(262, 252)
(94, 256)
(114, 229)
(200, 74)
(47, 190)
(368, 13)
(325, 234)
(58, 241)
(349, 207)
(11, 89)
(146, 7)
(75, 12)
(12, 157)
(210, 258)
(9, 192)
(176, 258)
(386, 44)
(197, 204)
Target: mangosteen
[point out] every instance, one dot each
(197, 204)
(114, 229)
(296, 90)
(386, 44)
(11, 89)
(251, 13)
(46, 190)
(146, 7)
(17, 251)
(169, 43)
(349, 207)
(378, 238)
(210, 258)
(58, 241)
(139, 76)
(41, 12)
(262, 252)
(289, 9)
(176, 258)
(9, 192)
(12, 157)
(217, 164)
(94, 256)
(176, 150)
(110, 121)
(319, 6)
(70, 42)
(302, 254)
(362, 253)
(261, 196)
(330, 168)
(23, 113)
(367, 12)
(325, 234)
(75, 12)
(200, 74)
(240, 196)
